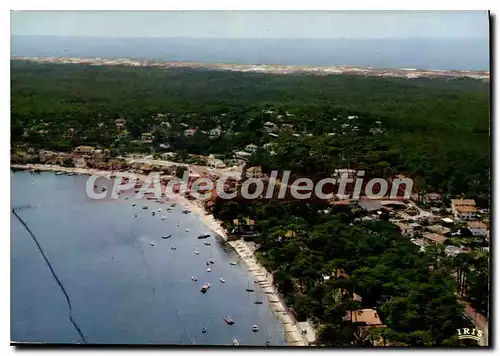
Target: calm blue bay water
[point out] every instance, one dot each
(123, 290)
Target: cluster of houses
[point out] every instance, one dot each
(439, 229)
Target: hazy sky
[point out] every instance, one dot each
(253, 24)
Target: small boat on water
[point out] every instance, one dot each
(71, 174)
(172, 205)
(249, 289)
(153, 213)
(208, 264)
(163, 217)
(268, 343)
(209, 269)
(255, 328)
(159, 210)
(205, 287)
(145, 207)
(194, 279)
(152, 243)
(258, 302)
(235, 342)
(134, 204)
(204, 236)
(167, 236)
(187, 230)
(211, 261)
(222, 280)
(232, 263)
(173, 248)
(207, 243)
(196, 253)
(185, 211)
(60, 173)
(135, 215)
(228, 320)
(204, 330)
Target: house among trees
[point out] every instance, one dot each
(190, 132)
(364, 317)
(253, 172)
(366, 320)
(477, 228)
(213, 162)
(84, 149)
(434, 238)
(147, 137)
(214, 133)
(432, 198)
(251, 148)
(244, 227)
(270, 127)
(242, 155)
(287, 128)
(464, 209)
(120, 124)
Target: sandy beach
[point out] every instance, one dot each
(264, 279)
(245, 251)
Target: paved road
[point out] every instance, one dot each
(480, 321)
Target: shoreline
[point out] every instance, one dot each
(282, 69)
(291, 330)
(264, 279)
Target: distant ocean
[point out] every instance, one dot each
(452, 54)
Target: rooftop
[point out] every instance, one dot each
(465, 208)
(466, 202)
(365, 316)
(477, 225)
(434, 237)
(369, 205)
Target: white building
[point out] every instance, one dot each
(251, 148)
(464, 209)
(242, 155)
(214, 133)
(478, 228)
